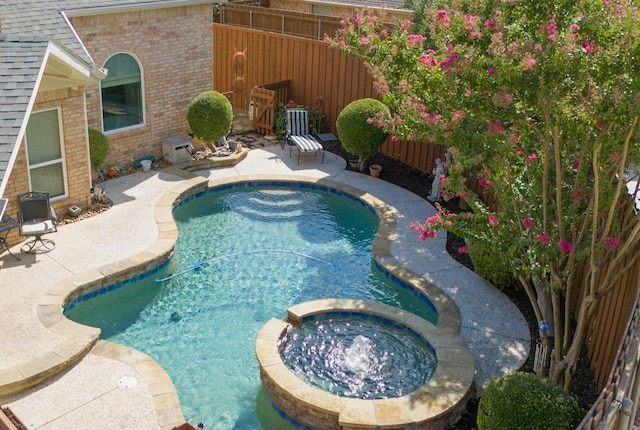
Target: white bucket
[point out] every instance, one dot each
(146, 165)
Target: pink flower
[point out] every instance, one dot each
(612, 243)
(528, 63)
(427, 61)
(364, 40)
(415, 39)
(589, 47)
(405, 25)
(484, 183)
(532, 158)
(457, 115)
(434, 219)
(565, 247)
(576, 163)
(615, 157)
(495, 127)
(443, 18)
(394, 138)
(502, 99)
(490, 23)
(493, 220)
(543, 239)
(528, 223)
(425, 233)
(492, 71)
(463, 249)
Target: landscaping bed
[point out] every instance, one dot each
(583, 386)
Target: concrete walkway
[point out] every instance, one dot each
(113, 387)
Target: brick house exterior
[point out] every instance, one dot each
(172, 41)
(174, 47)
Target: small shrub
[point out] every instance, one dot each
(526, 401)
(210, 116)
(489, 263)
(98, 148)
(280, 121)
(357, 134)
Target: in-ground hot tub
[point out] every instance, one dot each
(435, 403)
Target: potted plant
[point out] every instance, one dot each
(98, 150)
(210, 116)
(359, 128)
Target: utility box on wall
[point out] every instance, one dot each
(176, 149)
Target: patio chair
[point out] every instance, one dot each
(36, 218)
(298, 136)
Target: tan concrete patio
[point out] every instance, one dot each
(114, 387)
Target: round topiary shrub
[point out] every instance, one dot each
(526, 401)
(98, 148)
(358, 134)
(489, 263)
(210, 116)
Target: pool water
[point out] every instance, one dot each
(359, 357)
(244, 255)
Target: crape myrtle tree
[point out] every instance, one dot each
(539, 102)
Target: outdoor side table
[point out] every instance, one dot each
(326, 137)
(327, 140)
(6, 225)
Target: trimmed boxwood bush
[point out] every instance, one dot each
(489, 263)
(210, 116)
(357, 135)
(526, 401)
(98, 148)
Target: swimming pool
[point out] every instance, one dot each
(245, 253)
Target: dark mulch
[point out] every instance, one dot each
(583, 385)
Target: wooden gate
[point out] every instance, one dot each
(263, 104)
(262, 109)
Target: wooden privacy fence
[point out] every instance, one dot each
(279, 21)
(617, 403)
(262, 104)
(244, 59)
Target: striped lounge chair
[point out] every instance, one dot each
(298, 136)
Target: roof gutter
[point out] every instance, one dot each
(135, 7)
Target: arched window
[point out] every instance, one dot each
(122, 101)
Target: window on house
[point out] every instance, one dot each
(45, 154)
(121, 90)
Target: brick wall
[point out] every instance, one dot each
(174, 48)
(71, 103)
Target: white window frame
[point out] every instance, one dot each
(62, 160)
(142, 93)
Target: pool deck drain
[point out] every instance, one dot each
(37, 343)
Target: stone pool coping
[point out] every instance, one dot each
(80, 339)
(436, 405)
